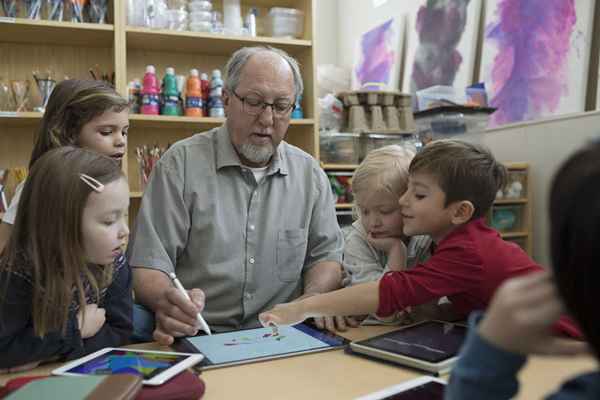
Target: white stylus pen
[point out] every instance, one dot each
(180, 287)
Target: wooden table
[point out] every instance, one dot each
(336, 375)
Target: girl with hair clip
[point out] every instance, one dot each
(82, 113)
(519, 319)
(65, 285)
(375, 243)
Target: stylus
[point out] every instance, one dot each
(179, 287)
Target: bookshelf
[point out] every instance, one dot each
(70, 49)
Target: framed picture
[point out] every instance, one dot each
(441, 44)
(540, 68)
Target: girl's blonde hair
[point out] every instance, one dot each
(46, 246)
(72, 104)
(383, 169)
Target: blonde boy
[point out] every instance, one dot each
(452, 185)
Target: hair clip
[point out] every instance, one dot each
(92, 182)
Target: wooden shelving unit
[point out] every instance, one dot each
(70, 49)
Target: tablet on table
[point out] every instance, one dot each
(432, 346)
(422, 388)
(155, 367)
(260, 344)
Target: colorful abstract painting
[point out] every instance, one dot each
(442, 42)
(535, 57)
(377, 58)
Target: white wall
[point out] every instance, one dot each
(326, 27)
(544, 144)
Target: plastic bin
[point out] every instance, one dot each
(442, 122)
(372, 141)
(439, 95)
(286, 22)
(341, 186)
(507, 219)
(339, 147)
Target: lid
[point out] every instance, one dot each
(203, 76)
(193, 72)
(454, 109)
(339, 134)
(170, 71)
(150, 69)
(216, 73)
(285, 11)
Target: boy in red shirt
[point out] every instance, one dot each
(452, 185)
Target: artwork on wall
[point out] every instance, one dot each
(441, 44)
(535, 57)
(377, 57)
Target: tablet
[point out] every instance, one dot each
(251, 345)
(155, 367)
(429, 345)
(422, 388)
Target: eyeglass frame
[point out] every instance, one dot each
(264, 106)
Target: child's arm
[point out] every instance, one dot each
(18, 343)
(355, 300)
(118, 304)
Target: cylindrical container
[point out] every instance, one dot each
(232, 17)
(170, 94)
(150, 101)
(205, 85)
(193, 95)
(134, 90)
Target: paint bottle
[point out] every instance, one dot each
(181, 80)
(298, 113)
(193, 95)
(216, 91)
(205, 85)
(134, 94)
(170, 94)
(150, 101)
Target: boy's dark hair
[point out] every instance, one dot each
(574, 234)
(464, 171)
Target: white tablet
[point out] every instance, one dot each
(155, 367)
(422, 388)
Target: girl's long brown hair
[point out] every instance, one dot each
(72, 104)
(46, 243)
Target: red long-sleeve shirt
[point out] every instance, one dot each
(468, 266)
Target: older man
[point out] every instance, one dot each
(242, 217)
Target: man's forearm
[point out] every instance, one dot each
(149, 286)
(322, 278)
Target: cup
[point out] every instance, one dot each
(20, 89)
(45, 87)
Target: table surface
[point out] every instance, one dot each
(336, 375)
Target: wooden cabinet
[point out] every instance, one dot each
(70, 49)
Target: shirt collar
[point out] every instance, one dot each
(228, 157)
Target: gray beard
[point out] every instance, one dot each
(256, 154)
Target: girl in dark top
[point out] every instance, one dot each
(65, 286)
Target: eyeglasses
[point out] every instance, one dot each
(253, 105)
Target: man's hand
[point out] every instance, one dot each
(521, 315)
(177, 316)
(90, 323)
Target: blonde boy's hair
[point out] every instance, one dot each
(384, 169)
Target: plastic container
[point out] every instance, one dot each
(506, 219)
(339, 147)
(443, 122)
(200, 16)
(372, 141)
(170, 93)
(177, 20)
(341, 186)
(200, 5)
(286, 22)
(201, 26)
(150, 100)
(193, 95)
(436, 96)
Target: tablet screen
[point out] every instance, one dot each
(146, 365)
(260, 343)
(430, 341)
(427, 391)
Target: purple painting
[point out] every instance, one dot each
(441, 44)
(376, 65)
(535, 57)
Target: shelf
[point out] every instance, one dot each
(338, 167)
(11, 118)
(199, 123)
(513, 235)
(20, 30)
(343, 206)
(510, 201)
(205, 43)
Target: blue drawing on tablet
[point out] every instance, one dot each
(254, 343)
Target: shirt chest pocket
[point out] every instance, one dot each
(291, 252)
